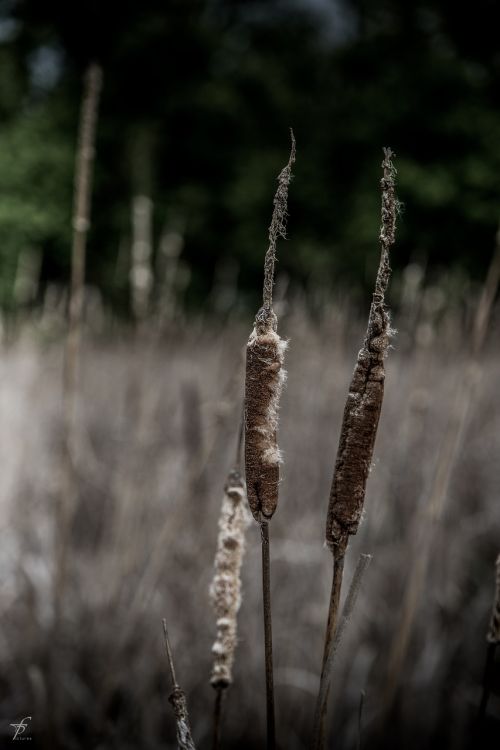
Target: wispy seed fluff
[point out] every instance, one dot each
(494, 629)
(225, 591)
(265, 375)
(366, 391)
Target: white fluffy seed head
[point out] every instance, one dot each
(225, 590)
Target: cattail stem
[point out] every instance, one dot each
(219, 696)
(334, 634)
(360, 719)
(488, 669)
(268, 634)
(324, 684)
(81, 223)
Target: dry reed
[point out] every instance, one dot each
(66, 497)
(178, 702)
(434, 502)
(494, 629)
(493, 639)
(357, 437)
(263, 384)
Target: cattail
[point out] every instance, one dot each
(364, 402)
(265, 374)
(263, 385)
(357, 436)
(225, 591)
(178, 701)
(264, 382)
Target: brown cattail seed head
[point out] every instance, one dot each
(494, 629)
(225, 591)
(263, 385)
(366, 391)
(265, 374)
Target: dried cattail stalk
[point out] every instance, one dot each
(225, 591)
(364, 402)
(81, 223)
(357, 437)
(494, 629)
(178, 702)
(265, 375)
(263, 385)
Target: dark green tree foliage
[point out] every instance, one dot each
(197, 101)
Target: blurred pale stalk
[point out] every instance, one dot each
(435, 499)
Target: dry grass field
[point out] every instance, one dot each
(157, 425)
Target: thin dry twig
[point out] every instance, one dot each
(493, 639)
(178, 702)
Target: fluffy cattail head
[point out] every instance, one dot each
(364, 401)
(225, 591)
(494, 629)
(265, 375)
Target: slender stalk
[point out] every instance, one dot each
(488, 669)
(334, 634)
(324, 684)
(219, 696)
(81, 224)
(360, 719)
(268, 634)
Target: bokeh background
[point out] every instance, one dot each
(197, 100)
(193, 128)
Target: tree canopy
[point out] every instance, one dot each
(196, 105)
